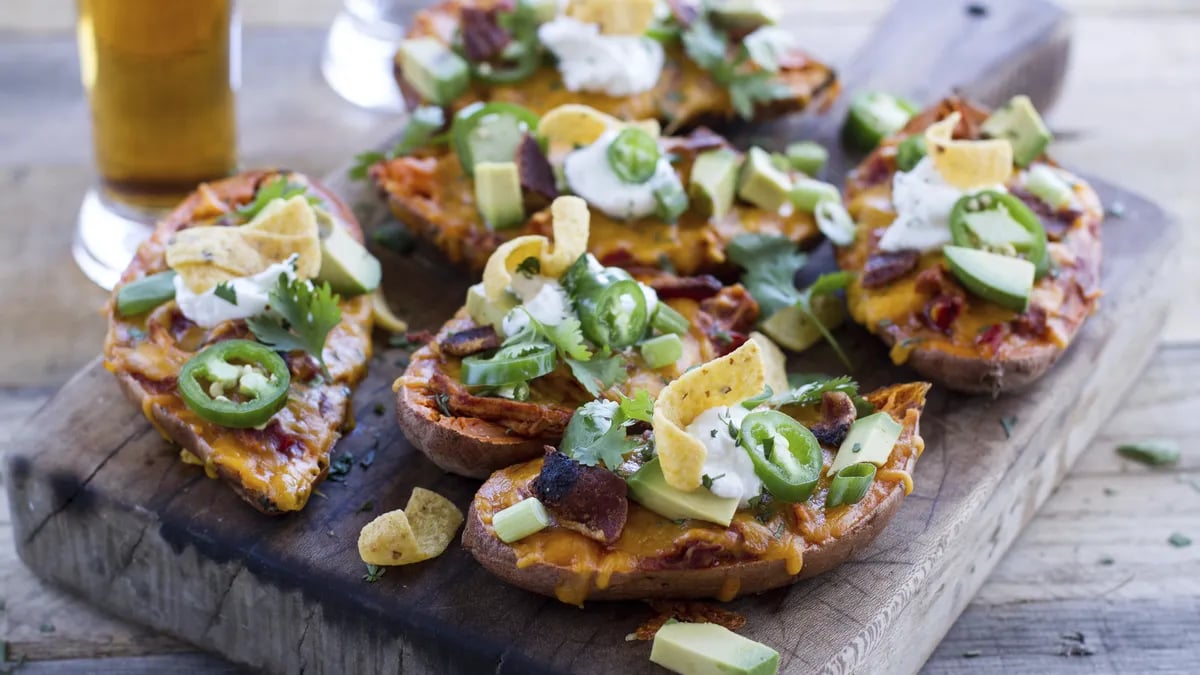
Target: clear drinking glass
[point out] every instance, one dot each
(160, 76)
(362, 42)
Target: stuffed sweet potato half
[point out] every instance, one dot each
(656, 201)
(977, 257)
(696, 62)
(548, 329)
(717, 489)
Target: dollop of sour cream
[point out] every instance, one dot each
(590, 176)
(617, 65)
(207, 309)
(923, 201)
(542, 298)
(727, 464)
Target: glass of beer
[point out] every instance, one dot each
(160, 76)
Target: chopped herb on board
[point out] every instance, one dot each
(368, 459)
(1107, 561)
(373, 573)
(1115, 209)
(341, 466)
(379, 409)
(971, 653)
(1008, 424)
(1179, 540)
(47, 628)
(367, 506)
(1152, 453)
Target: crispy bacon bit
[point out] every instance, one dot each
(941, 312)
(483, 38)
(537, 177)
(693, 554)
(837, 414)
(690, 612)
(470, 341)
(531, 420)
(419, 337)
(936, 280)
(587, 499)
(700, 140)
(1030, 324)
(884, 268)
(1056, 221)
(992, 337)
(732, 309)
(874, 171)
(669, 286)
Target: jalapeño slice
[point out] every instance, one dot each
(235, 383)
(612, 307)
(490, 132)
(1000, 223)
(787, 457)
(512, 365)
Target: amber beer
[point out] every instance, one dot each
(160, 75)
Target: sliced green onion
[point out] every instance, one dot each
(520, 520)
(668, 320)
(662, 351)
(143, 295)
(874, 116)
(808, 192)
(671, 200)
(850, 485)
(1047, 185)
(807, 156)
(835, 222)
(910, 152)
(1154, 453)
(633, 155)
(510, 366)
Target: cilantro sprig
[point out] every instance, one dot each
(708, 47)
(824, 285)
(595, 372)
(596, 432)
(226, 292)
(810, 392)
(299, 317)
(420, 131)
(278, 187)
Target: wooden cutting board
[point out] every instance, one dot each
(102, 506)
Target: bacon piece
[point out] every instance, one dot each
(700, 140)
(483, 38)
(937, 280)
(874, 171)
(537, 177)
(587, 499)
(884, 268)
(531, 420)
(732, 309)
(837, 414)
(690, 612)
(701, 287)
(992, 337)
(941, 312)
(1032, 323)
(470, 341)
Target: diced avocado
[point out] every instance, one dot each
(713, 182)
(745, 14)
(807, 192)
(1050, 187)
(347, 265)
(996, 230)
(649, 488)
(498, 194)
(711, 649)
(761, 183)
(486, 312)
(870, 439)
(1004, 280)
(1020, 123)
(437, 73)
(807, 156)
(495, 139)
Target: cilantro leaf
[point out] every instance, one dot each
(811, 392)
(640, 407)
(226, 292)
(596, 433)
(746, 91)
(420, 131)
(530, 266)
(567, 337)
(770, 263)
(277, 188)
(825, 284)
(599, 373)
(299, 317)
(706, 46)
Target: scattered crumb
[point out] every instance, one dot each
(1107, 560)
(46, 628)
(971, 653)
(693, 612)
(1179, 540)
(1076, 650)
(977, 9)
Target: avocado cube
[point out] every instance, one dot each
(807, 156)
(498, 194)
(346, 264)
(1019, 122)
(649, 488)
(437, 73)
(711, 649)
(713, 181)
(485, 311)
(761, 183)
(870, 439)
(745, 14)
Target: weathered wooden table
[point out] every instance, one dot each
(1093, 584)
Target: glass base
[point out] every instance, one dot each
(105, 239)
(357, 62)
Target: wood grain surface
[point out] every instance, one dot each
(1122, 114)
